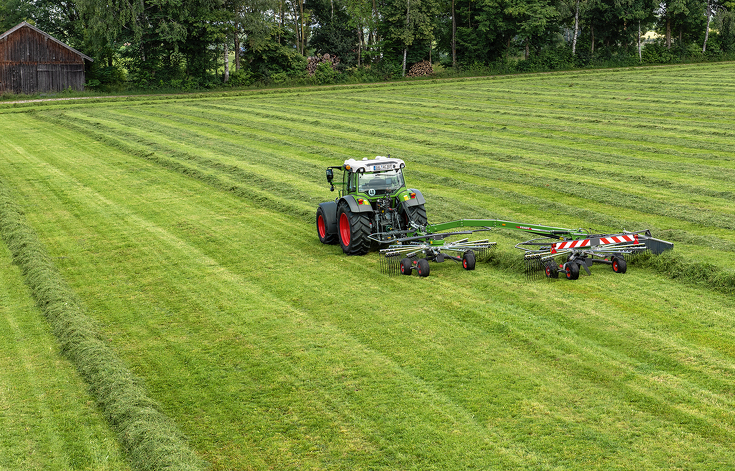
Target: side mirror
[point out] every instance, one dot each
(330, 177)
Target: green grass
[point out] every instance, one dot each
(184, 226)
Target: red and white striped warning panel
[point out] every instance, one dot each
(570, 244)
(619, 239)
(575, 244)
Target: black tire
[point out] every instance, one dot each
(468, 260)
(423, 267)
(415, 214)
(572, 270)
(406, 266)
(619, 265)
(353, 230)
(551, 270)
(322, 231)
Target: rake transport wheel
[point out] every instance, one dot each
(353, 230)
(572, 270)
(551, 270)
(422, 266)
(619, 265)
(468, 260)
(406, 266)
(325, 237)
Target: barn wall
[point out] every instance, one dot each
(30, 63)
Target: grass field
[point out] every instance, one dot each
(184, 228)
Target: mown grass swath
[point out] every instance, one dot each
(150, 438)
(186, 225)
(48, 419)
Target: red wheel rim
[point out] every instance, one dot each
(344, 229)
(321, 227)
(464, 263)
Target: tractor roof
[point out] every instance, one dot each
(378, 164)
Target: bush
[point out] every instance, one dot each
(104, 77)
(325, 74)
(274, 59)
(241, 78)
(552, 58)
(657, 53)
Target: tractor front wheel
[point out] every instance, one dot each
(325, 237)
(353, 231)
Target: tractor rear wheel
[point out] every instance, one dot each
(422, 266)
(353, 230)
(619, 265)
(325, 237)
(415, 214)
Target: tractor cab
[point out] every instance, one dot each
(384, 183)
(378, 177)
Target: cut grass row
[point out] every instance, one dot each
(47, 419)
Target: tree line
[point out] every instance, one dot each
(200, 43)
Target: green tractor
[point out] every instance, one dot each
(374, 206)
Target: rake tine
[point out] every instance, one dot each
(390, 264)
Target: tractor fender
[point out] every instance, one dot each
(419, 200)
(329, 210)
(354, 207)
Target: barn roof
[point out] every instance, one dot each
(48, 36)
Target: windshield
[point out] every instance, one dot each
(382, 183)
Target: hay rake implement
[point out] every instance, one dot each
(571, 256)
(404, 257)
(555, 250)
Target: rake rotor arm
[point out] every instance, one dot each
(544, 231)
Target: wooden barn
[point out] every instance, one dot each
(32, 61)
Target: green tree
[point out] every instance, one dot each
(725, 26)
(533, 22)
(13, 12)
(685, 17)
(164, 40)
(407, 30)
(333, 33)
(640, 14)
